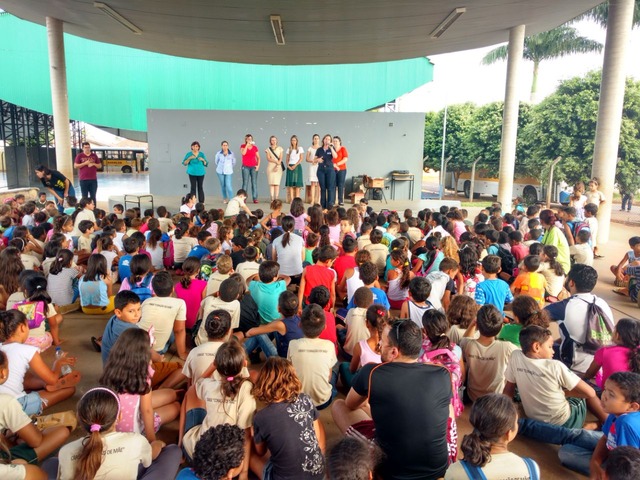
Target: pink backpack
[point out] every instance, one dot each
(450, 361)
(34, 311)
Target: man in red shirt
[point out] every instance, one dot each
(87, 164)
(250, 165)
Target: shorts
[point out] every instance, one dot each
(193, 418)
(578, 413)
(41, 343)
(31, 403)
(24, 452)
(364, 429)
(162, 371)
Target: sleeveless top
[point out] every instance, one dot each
(354, 283)
(294, 332)
(395, 292)
(367, 355)
(299, 222)
(416, 312)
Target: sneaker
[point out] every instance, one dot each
(255, 200)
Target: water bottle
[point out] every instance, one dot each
(66, 369)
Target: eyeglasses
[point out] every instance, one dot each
(395, 326)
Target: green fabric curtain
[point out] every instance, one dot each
(113, 86)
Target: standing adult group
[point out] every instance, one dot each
(327, 169)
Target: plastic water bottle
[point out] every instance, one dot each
(66, 369)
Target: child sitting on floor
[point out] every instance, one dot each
(486, 358)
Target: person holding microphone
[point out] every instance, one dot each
(87, 164)
(340, 164)
(326, 172)
(196, 164)
(250, 165)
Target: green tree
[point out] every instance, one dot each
(559, 42)
(600, 14)
(458, 121)
(565, 124)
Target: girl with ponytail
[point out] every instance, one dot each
(222, 395)
(399, 278)
(486, 455)
(63, 279)
(288, 250)
(105, 453)
(553, 272)
(191, 289)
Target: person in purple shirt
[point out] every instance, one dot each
(87, 163)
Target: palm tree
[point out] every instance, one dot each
(600, 14)
(555, 43)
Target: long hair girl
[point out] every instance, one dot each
(10, 268)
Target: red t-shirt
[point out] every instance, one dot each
(316, 275)
(519, 251)
(250, 158)
(342, 153)
(343, 263)
(87, 172)
(329, 332)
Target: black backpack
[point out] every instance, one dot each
(509, 263)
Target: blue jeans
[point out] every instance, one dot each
(60, 193)
(89, 189)
(263, 342)
(627, 200)
(327, 181)
(341, 177)
(250, 173)
(577, 444)
(225, 186)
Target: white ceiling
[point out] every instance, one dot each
(316, 31)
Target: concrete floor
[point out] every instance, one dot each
(78, 328)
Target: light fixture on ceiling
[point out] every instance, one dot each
(447, 22)
(278, 31)
(117, 17)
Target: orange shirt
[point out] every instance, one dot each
(342, 153)
(531, 284)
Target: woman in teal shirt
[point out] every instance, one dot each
(196, 164)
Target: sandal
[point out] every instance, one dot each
(96, 345)
(620, 292)
(597, 255)
(69, 380)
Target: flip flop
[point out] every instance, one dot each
(597, 255)
(619, 292)
(96, 346)
(69, 380)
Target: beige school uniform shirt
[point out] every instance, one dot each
(503, 466)
(165, 224)
(313, 359)
(29, 262)
(247, 269)
(215, 279)
(208, 305)
(162, 313)
(485, 366)
(379, 254)
(540, 384)
(13, 418)
(237, 411)
(201, 358)
(356, 328)
(122, 453)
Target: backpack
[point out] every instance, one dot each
(34, 311)
(449, 360)
(475, 473)
(599, 328)
(508, 261)
(143, 289)
(599, 333)
(578, 227)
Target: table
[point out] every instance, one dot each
(402, 177)
(137, 200)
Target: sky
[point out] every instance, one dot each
(460, 77)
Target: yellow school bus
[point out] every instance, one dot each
(126, 160)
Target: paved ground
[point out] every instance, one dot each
(78, 328)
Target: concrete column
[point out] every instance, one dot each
(510, 118)
(605, 152)
(59, 97)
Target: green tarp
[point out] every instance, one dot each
(113, 86)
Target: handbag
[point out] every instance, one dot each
(274, 154)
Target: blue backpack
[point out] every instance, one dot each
(143, 289)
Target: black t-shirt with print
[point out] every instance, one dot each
(57, 180)
(287, 428)
(410, 408)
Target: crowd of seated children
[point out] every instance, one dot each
(425, 268)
